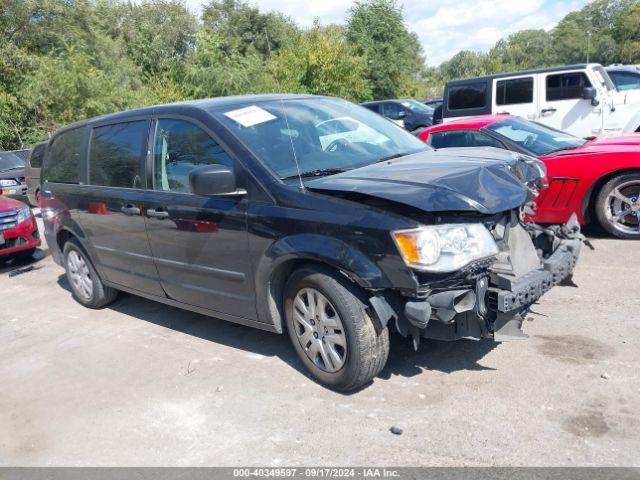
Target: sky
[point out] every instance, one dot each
(444, 27)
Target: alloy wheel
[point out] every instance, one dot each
(622, 208)
(319, 330)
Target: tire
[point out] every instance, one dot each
(78, 265)
(609, 204)
(366, 344)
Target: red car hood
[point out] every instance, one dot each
(627, 143)
(9, 204)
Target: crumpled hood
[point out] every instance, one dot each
(469, 179)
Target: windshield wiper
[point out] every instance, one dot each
(391, 157)
(321, 172)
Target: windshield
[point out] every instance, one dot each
(604, 78)
(416, 106)
(9, 160)
(535, 138)
(328, 135)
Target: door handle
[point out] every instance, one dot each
(130, 210)
(548, 110)
(157, 213)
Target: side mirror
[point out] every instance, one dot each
(401, 114)
(214, 180)
(590, 93)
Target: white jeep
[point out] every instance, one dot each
(579, 99)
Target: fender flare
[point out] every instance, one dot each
(335, 253)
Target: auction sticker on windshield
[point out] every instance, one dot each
(250, 116)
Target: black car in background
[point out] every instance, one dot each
(12, 178)
(304, 214)
(625, 77)
(408, 113)
(433, 102)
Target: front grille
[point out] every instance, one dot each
(12, 243)
(8, 220)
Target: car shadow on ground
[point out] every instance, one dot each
(446, 357)
(13, 266)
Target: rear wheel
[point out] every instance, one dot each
(85, 283)
(618, 206)
(331, 330)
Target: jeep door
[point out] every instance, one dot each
(199, 243)
(515, 96)
(110, 209)
(562, 106)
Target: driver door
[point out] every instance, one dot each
(199, 243)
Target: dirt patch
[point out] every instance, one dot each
(590, 423)
(574, 349)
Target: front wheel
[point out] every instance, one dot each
(618, 206)
(332, 332)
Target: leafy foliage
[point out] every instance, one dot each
(65, 60)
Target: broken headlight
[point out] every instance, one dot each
(444, 248)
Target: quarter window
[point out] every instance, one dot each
(181, 146)
(117, 154)
(64, 162)
(470, 95)
(566, 86)
(514, 91)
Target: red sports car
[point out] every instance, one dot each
(597, 178)
(18, 229)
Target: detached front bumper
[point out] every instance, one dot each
(527, 289)
(492, 301)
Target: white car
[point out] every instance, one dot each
(579, 99)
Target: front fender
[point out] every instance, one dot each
(330, 251)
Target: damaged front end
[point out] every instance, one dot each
(490, 298)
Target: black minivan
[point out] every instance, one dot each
(301, 213)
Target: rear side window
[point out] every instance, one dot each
(181, 146)
(375, 107)
(514, 91)
(470, 95)
(462, 138)
(35, 161)
(116, 157)
(566, 86)
(63, 164)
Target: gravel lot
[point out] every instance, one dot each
(140, 383)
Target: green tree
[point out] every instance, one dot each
(321, 61)
(158, 35)
(628, 34)
(394, 55)
(244, 29)
(590, 30)
(523, 49)
(212, 71)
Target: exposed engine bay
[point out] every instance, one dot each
(490, 298)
